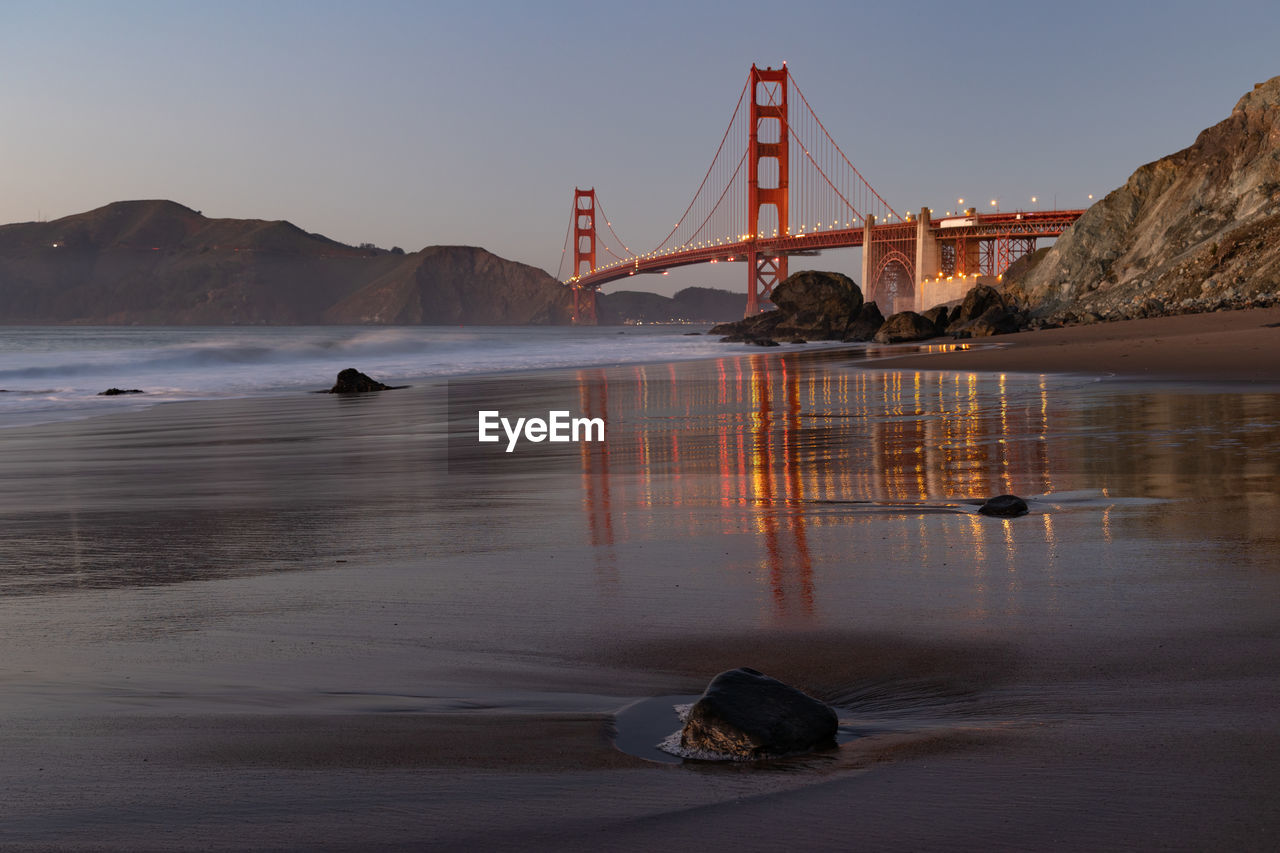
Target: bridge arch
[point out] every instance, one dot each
(892, 285)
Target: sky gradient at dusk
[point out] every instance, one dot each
(412, 124)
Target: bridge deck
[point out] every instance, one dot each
(987, 226)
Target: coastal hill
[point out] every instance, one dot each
(455, 285)
(691, 305)
(1198, 230)
(158, 262)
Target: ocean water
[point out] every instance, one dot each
(52, 374)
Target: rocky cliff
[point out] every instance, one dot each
(157, 262)
(1198, 230)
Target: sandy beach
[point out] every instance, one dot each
(1229, 346)
(311, 623)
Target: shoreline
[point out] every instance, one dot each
(294, 626)
(1224, 346)
(1227, 346)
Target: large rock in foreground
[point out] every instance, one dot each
(746, 714)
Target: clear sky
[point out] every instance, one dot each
(419, 123)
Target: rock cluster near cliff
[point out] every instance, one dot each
(1198, 230)
(814, 305)
(158, 262)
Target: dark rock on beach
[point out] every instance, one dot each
(352, 381)
(985, 311)
(816, 306)
(939, 316)
(746, 714)
(755, 329)
(906, 326)
(865, 325)
(1004, 506)
(994, 321)
(112, 392)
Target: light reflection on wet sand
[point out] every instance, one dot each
(793, 451)
(345, 557)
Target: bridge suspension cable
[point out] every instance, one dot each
(609, 224)
(738, 132)
(828, 192)
(568, 235)
(861, 188)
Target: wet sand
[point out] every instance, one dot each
(1228, 346)
(330, 624)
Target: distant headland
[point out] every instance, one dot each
(157, 262)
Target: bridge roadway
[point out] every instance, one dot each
(972, 227)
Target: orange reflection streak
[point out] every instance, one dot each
(753, 441)
(783, 531)
(593, 395)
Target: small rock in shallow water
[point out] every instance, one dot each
(746, 714)
(1004, 506)
(352, 381)
(111, 392)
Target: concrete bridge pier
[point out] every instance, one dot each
(928, 254)
(867, 224)
(934, 284)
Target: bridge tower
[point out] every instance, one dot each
(768, 145)
(584, 252)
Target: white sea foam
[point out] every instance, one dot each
(51, 374)
(672, 743)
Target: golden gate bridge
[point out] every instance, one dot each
(780, 186)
